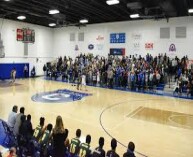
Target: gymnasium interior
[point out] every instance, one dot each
(96, 78)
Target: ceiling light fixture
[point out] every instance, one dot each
(112, 2)
(55, 11)
(190, 10)
(6, 0)
(21, 17)
(133, 16)
(83, 21)
(52, 24)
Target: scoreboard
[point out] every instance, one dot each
(26, 35)
(117, 38)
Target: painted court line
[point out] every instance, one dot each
(113, 105)
(133, 113)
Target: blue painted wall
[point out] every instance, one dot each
(5, 70)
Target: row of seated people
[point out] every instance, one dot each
(44, 141)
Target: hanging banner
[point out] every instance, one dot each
(149, 46)
(19, 34)
(172, 48)
(136, 36)
(117, 38)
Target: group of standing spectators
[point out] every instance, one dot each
(131, 72)
(54, 141)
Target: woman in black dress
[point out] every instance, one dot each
(59, 136)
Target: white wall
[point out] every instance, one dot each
(51, 43)
(148, 29)
(14, 50)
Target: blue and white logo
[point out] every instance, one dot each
(91, 47)
(172, 48)
(117, 38)
(59, 96)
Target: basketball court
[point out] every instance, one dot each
(159, 126)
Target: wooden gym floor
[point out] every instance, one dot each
(159, 126)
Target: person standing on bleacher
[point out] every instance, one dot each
(112, 152)
(39, 129)
(18, 121)
(75, 143)
(99, 151)
(59, 136)
(130, 150)
(85, 150)
(12, 116)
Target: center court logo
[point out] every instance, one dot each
(59, 96)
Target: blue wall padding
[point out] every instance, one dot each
(5, 70)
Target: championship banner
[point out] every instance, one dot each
(100, 38)
(172, 50)
(149, 46)
(190, 64)
(136, 36)
(100, 47)
(136, 46)
(19, 34)
(117, 38)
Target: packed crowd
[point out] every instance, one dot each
(48, 141)
(144, 73)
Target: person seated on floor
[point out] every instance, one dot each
(12, 116)
(39, 129)
(99, 151)
(75, 143)
(85, 150)
(130, 150)
(12, 152)
(112, 152)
